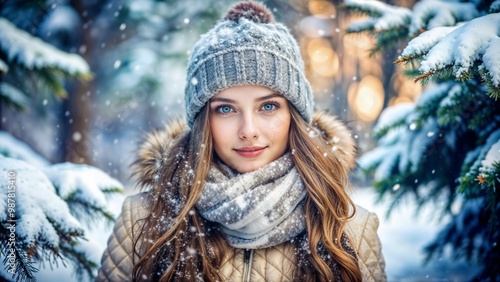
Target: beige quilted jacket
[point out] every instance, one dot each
(271, 264)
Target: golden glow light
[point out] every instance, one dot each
(367, 98)
(324, 61)
(399, 100)
(322, 8)
(315, 44)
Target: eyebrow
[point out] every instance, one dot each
(263, 98)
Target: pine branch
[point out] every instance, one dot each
(24, 269)
(398, 189)
(459, 120)
(112, 191)
(423, 22)
(379, 133)
(387, 39)
(445, 72)
(411, 59)
(360, 10)
(397, 198)
(475, 182)
(412, 72)
(52, 82)
(495, 7)
(430, 14)
(485, 114)
(360, 28)
(83, 266)
(384, 39)
(20, 45)
(468, 237)
(493, 89)
(13, 97)
(25, 265)
(387, 24)
(428, 110)
(469, 108)
(85, 210)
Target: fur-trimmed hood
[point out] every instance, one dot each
(153, 151)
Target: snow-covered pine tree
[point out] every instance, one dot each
(445, 149)
(45, 211)
(44, 206)
(28, 63)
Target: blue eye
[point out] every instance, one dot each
(224, 109)
(269, 107)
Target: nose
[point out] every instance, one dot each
(248, 128)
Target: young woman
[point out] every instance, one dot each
(253, 188)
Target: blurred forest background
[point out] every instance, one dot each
(128, 78)
(137, 53)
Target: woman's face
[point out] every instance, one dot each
(249, 125)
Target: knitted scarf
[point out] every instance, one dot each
(258, 209)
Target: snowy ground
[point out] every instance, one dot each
(403, 237)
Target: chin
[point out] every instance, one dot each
(248, 168)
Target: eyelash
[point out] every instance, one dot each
(218, 109)
(275, 104)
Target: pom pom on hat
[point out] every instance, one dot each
(250, 10)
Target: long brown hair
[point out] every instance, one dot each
(173, 241)
(327, 207)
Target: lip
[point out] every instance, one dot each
(250, 152)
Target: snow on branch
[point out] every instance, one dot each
(471, 47)
(495, 7)
(387, 23)
(429, 14)
(13, 148)
(421, 45)
(4, 68)
(482, 167)
(387, 16)
(387, 155)
(484, 156)
(33, 53)
(41, 213)
(492, 156)
(42, 219)
(50, 203)
(448, 144)
(13, 97)
(84, 188)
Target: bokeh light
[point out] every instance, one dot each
(366, 98)
(324, 61)
(322, 9)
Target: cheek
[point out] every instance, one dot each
(220, 133)
(215, 133)
(278, 128)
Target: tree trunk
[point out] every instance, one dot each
(78, 142)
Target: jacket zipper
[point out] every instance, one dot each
(247, 270)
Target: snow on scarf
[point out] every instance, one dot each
(258, 209)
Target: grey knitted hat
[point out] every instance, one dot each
(247, 48)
